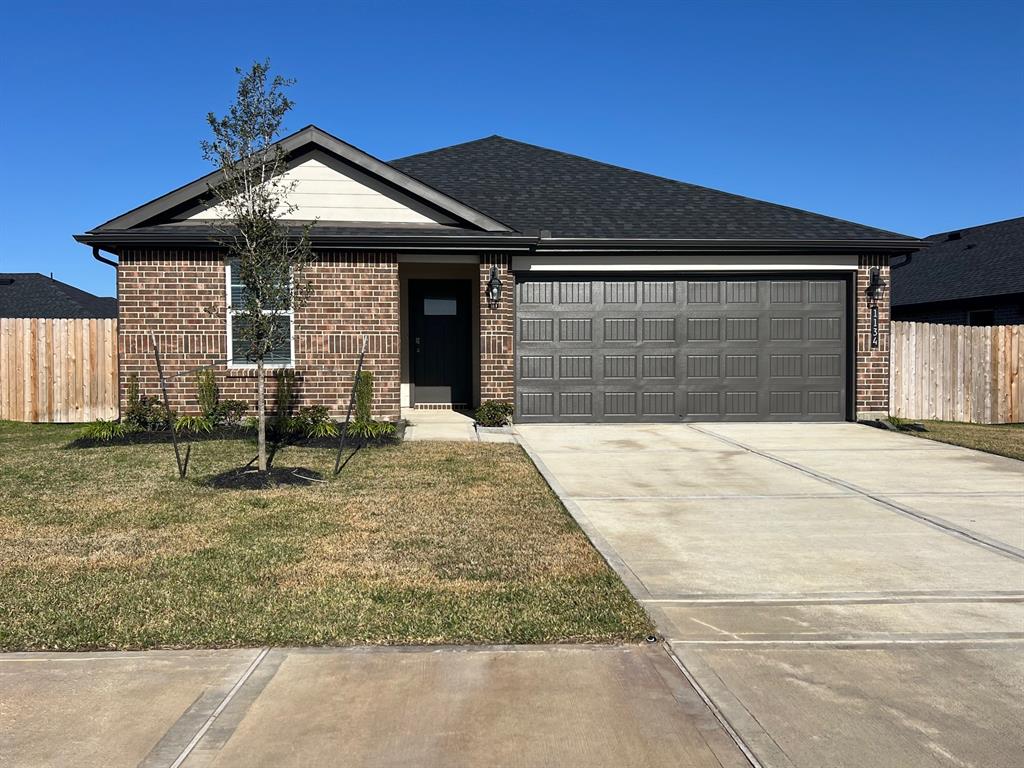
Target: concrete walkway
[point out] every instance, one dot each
(380, 707)
(448, 426)
(843, 595)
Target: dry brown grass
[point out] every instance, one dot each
(416, 543)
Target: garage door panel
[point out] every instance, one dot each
(685, 349)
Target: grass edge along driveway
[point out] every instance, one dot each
(419, 543)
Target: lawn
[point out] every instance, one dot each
(1001, 439)
(414, 543)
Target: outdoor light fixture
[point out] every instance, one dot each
(494, 287)
(875, 283)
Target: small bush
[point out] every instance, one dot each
(105, 431)
(370, 430)
(364, 397)
(285, 392)
(199, 424)
(314, 421)
(494, 413)
(147, 413)
(230, 412)
(208, 394)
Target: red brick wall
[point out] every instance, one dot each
(180, 296)
(497, 331)
(872, 374)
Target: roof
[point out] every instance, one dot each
(987, 260)
(524, 195)
(30, 294)
(533, 188)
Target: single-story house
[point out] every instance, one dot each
(972, 276)
(495, 269)
(30, 294)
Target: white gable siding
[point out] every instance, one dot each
(325, 193)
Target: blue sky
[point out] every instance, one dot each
(906, 116)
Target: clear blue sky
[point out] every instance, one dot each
(906, 116)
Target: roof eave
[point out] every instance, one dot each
(891, 246)
(113, 240)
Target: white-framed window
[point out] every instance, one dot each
(281, 355)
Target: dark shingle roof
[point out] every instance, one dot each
(29, 294)
(987, 260)
(532, 188)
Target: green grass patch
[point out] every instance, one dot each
(1000, 439)
(104, 547)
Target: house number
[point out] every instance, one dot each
(874, 326)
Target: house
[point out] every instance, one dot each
(495, 269)
(972, 276)
(30, 294)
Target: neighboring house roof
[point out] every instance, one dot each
(533, 188)
(975, 262)
(30, 294)
(498, 189)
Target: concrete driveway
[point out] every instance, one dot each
(842, 595)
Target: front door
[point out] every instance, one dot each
(439, 324)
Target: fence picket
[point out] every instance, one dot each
(956, 372)
(58, 370)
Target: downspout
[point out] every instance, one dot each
(104, 259)
(96, 255)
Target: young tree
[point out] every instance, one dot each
(253, 197)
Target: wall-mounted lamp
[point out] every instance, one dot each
(494, 287)
(875, 284)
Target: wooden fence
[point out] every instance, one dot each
(58, 370)
(957, 372)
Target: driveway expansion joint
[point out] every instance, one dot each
(951, 529)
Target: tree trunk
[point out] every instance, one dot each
(261, 411)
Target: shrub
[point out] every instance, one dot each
(285, 392)
(364, 397)
(208, 394)
(314, 421)
(132, 390)
(195, 424)
(370, 430)
(230, 412)
(105, 431)
(494, 413)
(147, 413)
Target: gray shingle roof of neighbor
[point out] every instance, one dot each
(987, 260)
(30, 294)
(533, 188)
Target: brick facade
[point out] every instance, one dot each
(181, 297)
(497, 332)
(872, 365)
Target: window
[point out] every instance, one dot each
(439, 307)
(280, 355)
(981, 317)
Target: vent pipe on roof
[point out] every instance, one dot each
(953, 236)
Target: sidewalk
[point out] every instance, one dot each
(468, 706)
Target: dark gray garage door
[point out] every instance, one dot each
(683, 349)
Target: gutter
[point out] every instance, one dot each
(538, 245)
(893, 246)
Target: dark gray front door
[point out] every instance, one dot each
(715, 348)
(439, 324)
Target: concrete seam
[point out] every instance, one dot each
(1005, 550)
(726, 725)
(220, 708)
